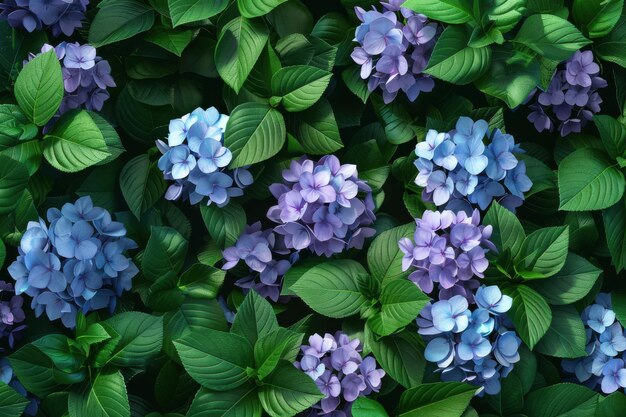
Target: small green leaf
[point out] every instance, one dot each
(446, 11)
(239, 402)
(508, 232)
(142, 184)
(174, 41)
(384, 257)
(613, 134)
(299, 86)
(165, 253)
(104, 396)
(256, 8)
(444, 399)
(13, 181)
(274, 346)
(187, 11)
(597, 17)
(224, 224)
(255, 318)
(401, 301)
(119, 20)
(549, 246)
(401, 356)
(364, 407)
(530, 313)
(615, 230)
(612, 47)
(316, 129)
(566, 336)
(12, 403)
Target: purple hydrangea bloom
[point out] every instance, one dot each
(572, 96)
(11, 315)
(394, 49)
(322, 206)
(78, 262)
(473, 346)
(86, 77)
(62, 16)
(339, 370)
(603, 368)
(195, 159)
(449, 250)
(458, 171)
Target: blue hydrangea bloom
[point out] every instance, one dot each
(195, 159)
(62, 16)
(322, 206)
(457, 170)
(603, 368)
(78, 262)
(474, 346)
(8, 377)
(342, 374)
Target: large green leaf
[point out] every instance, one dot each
(224, 224)
(613, 134)
(546, 251)
(316, 129)
(186, 11)
(255, 318)
(589, 180)
(12, 403)
(216, 360)
(332, 288)
(615, 230)
(274, 346)
(239, 402)
(611, 48)
(453, 61)
(299, 86)
(255, 132)
(288, 391)
(34, 370)
(104, 396)
(562, 400)
(566, 336)
(165, 253)
(13, 181)
(401, 356)
(530, 313)
(447, 11)
(384, 257)
(238, 48)
(142, 184)
(597, 17)
(444, 399)
(256, 8)
(119, 20)
(365, 407)
(39, 88)
(551, 36)
(401, 301)
(508, 232)
(75, 143)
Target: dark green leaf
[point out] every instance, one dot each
(119, 20)
(142, 184)
(530, 313)
(224, 224)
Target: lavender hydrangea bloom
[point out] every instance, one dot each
(339, 370)
(195, 159)
(11, 315)
(76, 263)
(320, 207)
(62, 16)
(572, 96)
(86, 76)
(396, 48)
(480, 351)
(603, 368)
(448, 250)
(459, 172)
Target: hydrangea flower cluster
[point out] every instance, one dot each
(448, 249)
(476, 346)
(86, 76)
(62, 16)
(319, 206)
(340, 372)
(8, 377)
(458, 170)
(267, 258)
(11, 314)
(572, 96)
(76, 263)
(603, 367)
(396, 48)
(195, 159)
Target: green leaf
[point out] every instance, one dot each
(453, 61)
(506, 13)
(224, 224)
(571, 283)
(566, 336)
(257, 8)
(75, 143)
(34, 370)
(239, 46)
(255, 318)
(139, 339)
(597, 17)
(446, 11)
(612, 405)
(401, 356)
(288, 391)
(316, 129)
(14, 48)
(508, 232)
(398, 123)
(104, 396)
(274, 346)
(119, 20)
(571, 400)
(12, 403)
(444, 399)
(187, 11)
(201, 281)
(165, 253)
(364, 407)
(510, 399)
(299, 86)
(332, 288)
(142, 184)
(615, 230)
(13, 181)
(589, 180)
(548, 250)
(551, 36)
(111, 138)
(255, 132)
(613, 134)
(39, 88)
(174, 41)
(358, 86)
(239, 402)
(384, 257)
(216, 360)
(530, 313)
(401, 301)
(612, 47)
